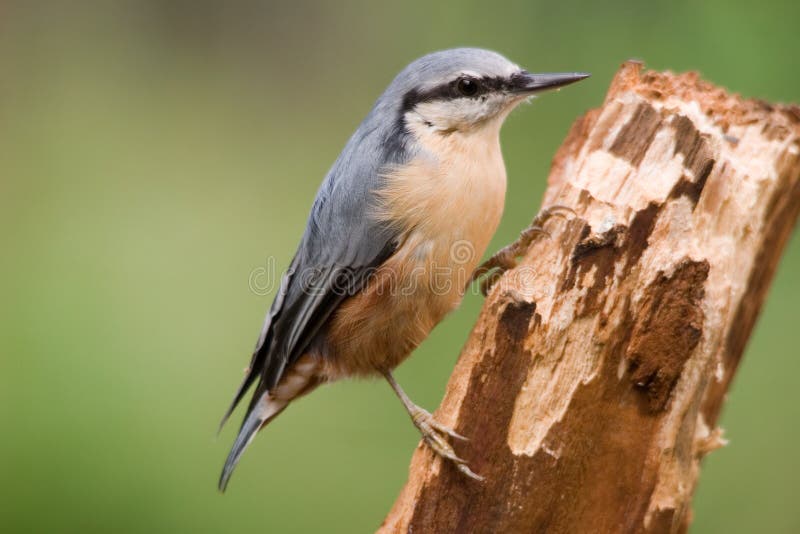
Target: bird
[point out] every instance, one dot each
(394, 237)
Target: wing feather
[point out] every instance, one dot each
(341, 247)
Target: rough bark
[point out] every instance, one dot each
(591, 385)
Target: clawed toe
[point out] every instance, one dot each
(446, 429)
(506, 258)
(532, 231)
(488, 283)
(433, 433)
(556, 210)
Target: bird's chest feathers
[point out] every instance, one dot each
(451, 195)
(446, 203)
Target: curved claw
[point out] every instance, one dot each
(528, 233)
(433, 433)
(442, 448)
(447, 430)
(506, 258)
(489, 282)
(555, 209)
(464, 468)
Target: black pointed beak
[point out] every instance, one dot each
(527, 83)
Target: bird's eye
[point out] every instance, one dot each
(467, 86)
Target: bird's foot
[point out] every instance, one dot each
(506, 258)
(433, 432)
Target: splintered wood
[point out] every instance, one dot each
(591, 385)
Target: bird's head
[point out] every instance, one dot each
(465, 89)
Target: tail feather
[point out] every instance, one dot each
(243, 387)
(266, 405)
(264, 410)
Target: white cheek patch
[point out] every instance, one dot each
(460, 112)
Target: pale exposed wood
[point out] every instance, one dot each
(592, 382)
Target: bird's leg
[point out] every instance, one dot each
(506, 257)
(432, 431)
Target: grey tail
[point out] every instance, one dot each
(243, 387)
(261, 413)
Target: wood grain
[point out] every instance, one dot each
(591, 384)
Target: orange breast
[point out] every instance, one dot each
(450, 206)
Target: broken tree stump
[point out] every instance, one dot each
(591, 385)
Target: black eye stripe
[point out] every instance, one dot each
(449, 91)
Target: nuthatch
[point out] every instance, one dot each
(408, 207)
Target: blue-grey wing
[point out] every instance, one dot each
(341, 246)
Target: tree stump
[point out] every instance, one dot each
(591, 385)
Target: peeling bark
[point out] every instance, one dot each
(592, 382)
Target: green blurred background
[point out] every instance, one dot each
(154, 154)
